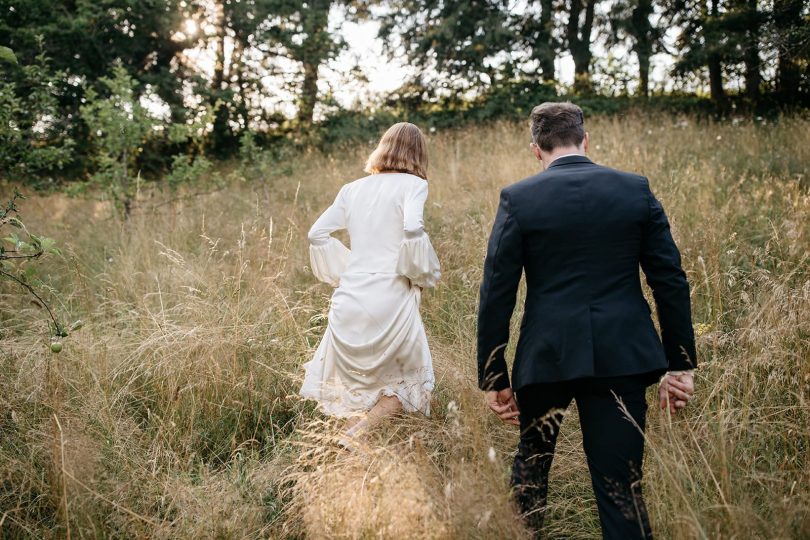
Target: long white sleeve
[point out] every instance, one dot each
(328, 256)
(417, 258)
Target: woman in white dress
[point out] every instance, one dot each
(374, 359)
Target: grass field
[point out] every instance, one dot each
(173, 412)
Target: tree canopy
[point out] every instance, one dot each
(266, 60)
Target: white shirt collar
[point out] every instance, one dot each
(565, 155)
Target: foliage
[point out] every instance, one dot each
(119, 126)
(17, 252)
(87, 39)
(507, 102)
(186, 169)
(629, 21)
(7, 55)
(269, 59)
(32, 139)
(454, 45)
(192, 165)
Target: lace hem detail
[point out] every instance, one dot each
(343, 403)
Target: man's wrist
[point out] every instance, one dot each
(681, 372)
(676, 373)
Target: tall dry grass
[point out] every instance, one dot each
(172, 413)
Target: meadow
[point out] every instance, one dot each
(173, 412)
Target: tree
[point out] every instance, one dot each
(578, 35)
(455, 45)
(86, 39)
(32, 139)
(300, 32)
(741, 23)
(629, 20)
(119, 127)
(702, 42)
(751, 30)
(535, 33)
(280, 30)
(791, 38)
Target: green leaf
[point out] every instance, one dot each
(48, 245)
(28, 274)
(7, 55)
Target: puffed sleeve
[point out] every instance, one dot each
(327, 255)
(417, 258)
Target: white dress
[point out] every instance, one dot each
(375, 343)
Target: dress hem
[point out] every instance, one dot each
(412, 399)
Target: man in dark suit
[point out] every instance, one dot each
(580, 231)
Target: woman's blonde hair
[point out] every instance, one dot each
(402, 149)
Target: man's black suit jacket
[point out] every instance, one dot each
(580, 232)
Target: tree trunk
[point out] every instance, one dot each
(314, 51)
(222, 134)
(309, 94)
(219, 65)
(643, 43)
(753, 78)
(546, 41)
(239, 72)
(715, 65)
(787, 17)
(643, 74)
(579, 43)
(718, 95)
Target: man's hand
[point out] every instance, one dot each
(675, 390)
(502, 403)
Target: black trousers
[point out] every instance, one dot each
(614, 448)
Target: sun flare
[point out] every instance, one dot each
(191, 27)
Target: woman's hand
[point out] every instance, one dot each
(675, 390)
(502, 403)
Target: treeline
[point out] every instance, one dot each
(755, 47)
(100, 89)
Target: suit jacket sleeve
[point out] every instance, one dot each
(661, 263)
(502, 271)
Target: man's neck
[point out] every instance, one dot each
(562, 152)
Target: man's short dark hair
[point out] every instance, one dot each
(557, 124)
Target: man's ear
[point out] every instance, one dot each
(536, 152)
(586, 142)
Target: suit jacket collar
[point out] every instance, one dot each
(568, 160)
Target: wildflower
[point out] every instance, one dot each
(702, 328)
(491, 454)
